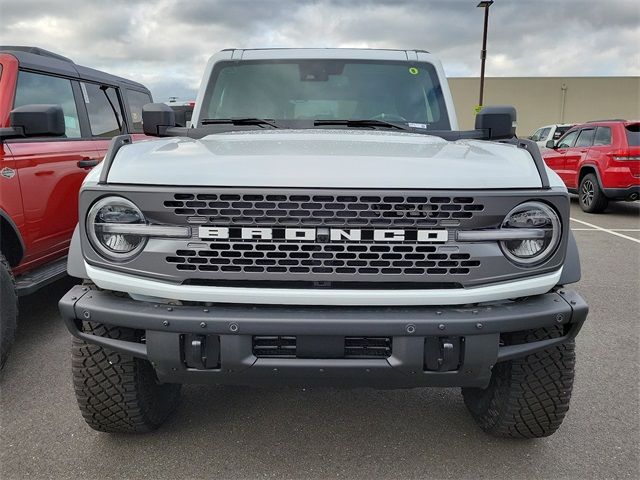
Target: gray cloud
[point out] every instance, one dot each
(165, 44)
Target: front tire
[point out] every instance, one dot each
(8, 309)
(526, 397)
(590, 195)
(116, 392)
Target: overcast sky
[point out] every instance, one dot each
(165, 44)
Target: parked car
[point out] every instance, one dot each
(324, 222)
(600, 161)
(550, 132)
(40, 174)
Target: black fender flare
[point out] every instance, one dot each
(571, 272)
(5, 216)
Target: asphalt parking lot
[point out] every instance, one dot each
(224, 432)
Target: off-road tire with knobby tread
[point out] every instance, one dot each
(527, 397)
(597, 202)
(8, 309)
(116, 392)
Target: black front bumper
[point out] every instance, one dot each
(175, 336)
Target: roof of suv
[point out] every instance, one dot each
(614, 120)
(35, 58)
(332, 53)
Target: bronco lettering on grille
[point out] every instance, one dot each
(323, 234)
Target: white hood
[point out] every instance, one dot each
(325, 159)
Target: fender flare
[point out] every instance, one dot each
(75, 260)
(5, 216)
(590, 166)
(571, 272)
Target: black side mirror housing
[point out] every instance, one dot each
(499, 121)
(550, 144)
(156, 118)
(181, 118)
(35, 121)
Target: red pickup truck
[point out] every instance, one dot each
(600, 161)
(40, 174)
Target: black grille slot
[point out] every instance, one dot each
(367, 347)
(324, 210)
(274, 346)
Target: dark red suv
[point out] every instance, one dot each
(66, 115)
(600, 161)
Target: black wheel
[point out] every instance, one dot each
(526, 397)
(118, 393)
(591, 196)
(8, 309)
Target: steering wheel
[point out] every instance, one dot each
(390, 117)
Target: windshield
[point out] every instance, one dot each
(327, 90)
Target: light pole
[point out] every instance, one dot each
(483, 53)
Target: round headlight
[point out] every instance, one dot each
(106, 241)
(533, 216)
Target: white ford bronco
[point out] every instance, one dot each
(325, 222)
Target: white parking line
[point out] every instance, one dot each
(613, 229)
(596, 227)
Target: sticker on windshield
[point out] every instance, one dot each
(418, 125)
(413, 70)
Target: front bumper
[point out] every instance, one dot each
(171, 332)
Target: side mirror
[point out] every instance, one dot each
(35, 121)
(156, 118)
(550, 144)
(500, 121)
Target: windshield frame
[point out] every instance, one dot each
(444, 123)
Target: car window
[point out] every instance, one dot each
(603, 136)
(536, 136)
(103, 107)
(136, 101)
(568, 139)
(544, 133)
(633, 134)
(35, 88)
(585, 138)
(559, 132)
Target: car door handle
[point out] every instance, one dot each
(88, 162)
(583, 151)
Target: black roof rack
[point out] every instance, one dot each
(608, 120)
(36, 51)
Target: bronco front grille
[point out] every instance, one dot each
(235, 209)
(322, 258)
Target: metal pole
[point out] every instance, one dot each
(483, 52)
(564, 95)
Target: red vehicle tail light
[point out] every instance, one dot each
(625, 155)
(624, 158)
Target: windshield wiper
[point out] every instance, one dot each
(240, 121)
(365, 123)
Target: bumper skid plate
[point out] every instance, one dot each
(368, 346)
